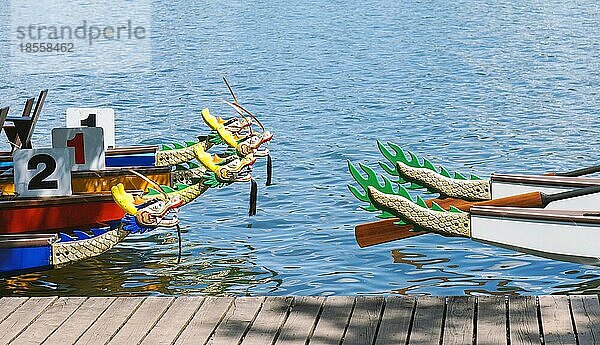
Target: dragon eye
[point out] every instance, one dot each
(225, 173)
(244, 149)
(156, 206)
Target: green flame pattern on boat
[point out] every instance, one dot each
(387, 187)
(177, 146)
(397, 154)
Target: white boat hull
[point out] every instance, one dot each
(501, 186)
(562, 239)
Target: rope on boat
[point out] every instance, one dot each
(253, 196)
(269, 170)
(179, 244)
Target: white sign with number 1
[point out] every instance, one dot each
(42, 172)
(87, 144)
(94, 117)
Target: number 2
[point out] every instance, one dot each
(37, 182)
(77, 143)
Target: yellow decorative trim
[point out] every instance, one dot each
(123, 199)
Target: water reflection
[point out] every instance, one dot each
(479, 273)
(440, 272)
(128, 270)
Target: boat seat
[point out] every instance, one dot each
(3, 115)
(538, 214)
(20, 129)
(545, 180)
(10, 129)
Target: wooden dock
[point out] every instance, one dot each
(300, 320)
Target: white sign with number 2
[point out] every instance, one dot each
(42, 172)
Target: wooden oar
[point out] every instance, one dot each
(373, 233)
(382, 231)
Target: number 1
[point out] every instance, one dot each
(90, 121)
(77, 143)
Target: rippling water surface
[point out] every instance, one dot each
(505, 87)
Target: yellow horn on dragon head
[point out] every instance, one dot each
(214, 124)
(123, 199)
(205, 158)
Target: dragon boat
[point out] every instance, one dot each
(550, 216)
(419, 173)
(235, 132)
(48, 232)
(20, 215)
(557, 234)
(123, 213)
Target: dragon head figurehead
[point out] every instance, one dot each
(147, 214)
(235, 125)
(229, 169)
(244, 143)
(251, 144)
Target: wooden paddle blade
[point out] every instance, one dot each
(382, 231)
(370, 234)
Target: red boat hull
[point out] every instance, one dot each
(42, 215)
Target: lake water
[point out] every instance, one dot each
(505, 87)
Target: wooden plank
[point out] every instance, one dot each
(22, 317)
(395, 322)
(300, 322)
(80, 320)
(522, 315)
(174, 320)
(362, 327)
(491, 321)
(25, 314)
(110, 321)
(9, 304)
(49, 320)
(237, 320)
(586, 314)
(556, 320)
(142, 320)
(204, 322)
(427, 323)
(334, 318)
(460, 313)
(269, 320)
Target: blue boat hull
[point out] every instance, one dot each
(25, 253)
(122, 161)
(138, 160)
(15, 261)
